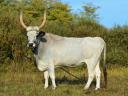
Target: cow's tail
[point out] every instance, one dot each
(105, 66)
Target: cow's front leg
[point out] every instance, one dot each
(52, 75)
(46, 77)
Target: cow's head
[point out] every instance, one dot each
(33, 32)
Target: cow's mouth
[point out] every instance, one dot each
(31, 45)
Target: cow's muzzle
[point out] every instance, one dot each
(31, 45)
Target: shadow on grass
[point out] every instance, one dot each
(75, 81)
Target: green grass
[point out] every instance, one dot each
(32, 83)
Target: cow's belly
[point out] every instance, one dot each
(69, 59)
(70, 64)
(70, 55)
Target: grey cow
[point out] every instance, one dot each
(53, 51)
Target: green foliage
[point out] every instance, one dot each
(1, 1)
(90, 11)
(60, 12)
(117, 43)
(13, 40)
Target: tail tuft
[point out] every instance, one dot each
(105, 77)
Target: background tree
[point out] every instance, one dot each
(61, 12)
(90, 12)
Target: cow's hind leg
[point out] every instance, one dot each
(91, 72)
(98, 76)
(46, 77)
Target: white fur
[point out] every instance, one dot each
(64, 51)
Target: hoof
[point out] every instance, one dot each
(86, 88)
(97, 88)
(45, 87)
(53, 88)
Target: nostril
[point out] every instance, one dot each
(30, 44)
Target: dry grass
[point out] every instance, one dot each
(31, 84)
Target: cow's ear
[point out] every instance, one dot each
(41, 34)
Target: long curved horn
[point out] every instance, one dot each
(44, 20)
(21, 20)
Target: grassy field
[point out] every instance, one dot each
(32, 83)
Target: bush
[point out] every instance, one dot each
(13, 42)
